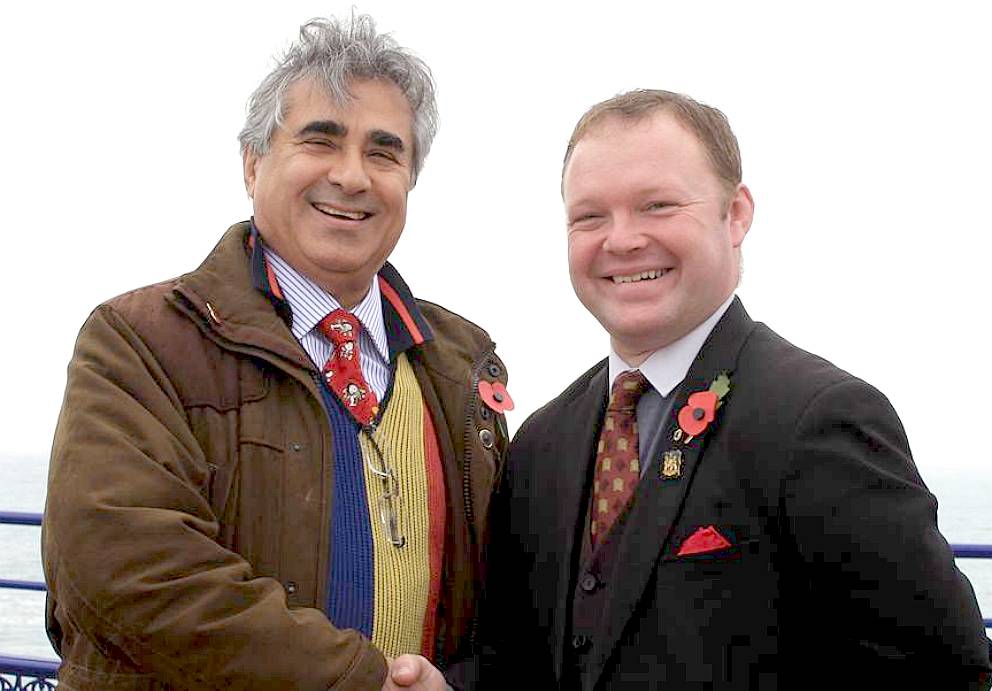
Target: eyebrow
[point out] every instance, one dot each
(328, 127)
(333, 128)
(387, 139)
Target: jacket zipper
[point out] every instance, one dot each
(467, 441)
(473, 401)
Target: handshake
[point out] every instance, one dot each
(413, 672)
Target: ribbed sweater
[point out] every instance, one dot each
(388, 593)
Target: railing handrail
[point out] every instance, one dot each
(12, 584)
(972, 551)
(19, 518)
(29, 667)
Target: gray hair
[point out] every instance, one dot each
(336, 53)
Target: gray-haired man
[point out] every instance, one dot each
(273, 472)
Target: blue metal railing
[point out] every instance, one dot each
(37, 671)
(28, 674)
(16, 518)
(25, 674)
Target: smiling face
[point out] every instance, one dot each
(330, 195)
(653, 235)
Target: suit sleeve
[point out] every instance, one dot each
(865, 530)
(130, 546)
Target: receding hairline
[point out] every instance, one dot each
(594, 127)
(708, 126)
(601, 121)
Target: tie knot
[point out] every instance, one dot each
(627, 390)
(340, 327)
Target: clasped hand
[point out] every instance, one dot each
(413, 672)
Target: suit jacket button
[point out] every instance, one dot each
(290, 587)
(581, 642)
(589, 582)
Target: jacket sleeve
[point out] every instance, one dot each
(130, 548)
(864, 527)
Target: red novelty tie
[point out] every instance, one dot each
(343, 370)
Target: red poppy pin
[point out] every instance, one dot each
(700, 410)
(495, 395)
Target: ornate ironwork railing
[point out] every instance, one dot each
(25, 674)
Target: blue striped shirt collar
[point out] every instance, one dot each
(310, 303)
(391, 331)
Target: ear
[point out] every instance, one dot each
(250, 161)
(740, 213)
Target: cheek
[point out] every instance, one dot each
(401, 204)
(393, 191)
(397, 220)
(277, 190)
(580, 251)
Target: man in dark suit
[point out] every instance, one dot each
(735, 513)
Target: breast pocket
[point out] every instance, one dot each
(215, 409)
(740, 553)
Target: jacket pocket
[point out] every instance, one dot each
(736, 552)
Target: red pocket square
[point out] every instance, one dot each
(706, 539)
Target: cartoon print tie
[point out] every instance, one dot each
(343, 370)
(618, 467)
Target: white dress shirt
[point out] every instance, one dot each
(666, 367)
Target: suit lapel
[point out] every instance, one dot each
(581, 419)
(658, 502)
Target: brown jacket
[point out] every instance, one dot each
(186, 533)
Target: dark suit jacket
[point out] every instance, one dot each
(836, 576)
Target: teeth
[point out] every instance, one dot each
(643, 276)
(334, 211)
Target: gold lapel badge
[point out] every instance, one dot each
(671, 465)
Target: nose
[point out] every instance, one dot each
(349, 173)
(624, 236)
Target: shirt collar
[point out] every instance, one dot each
(310, 303)
(666, 367)
(388, 312)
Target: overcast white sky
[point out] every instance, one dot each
(864, 129)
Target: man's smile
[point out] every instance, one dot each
(338, 212)
(649, 275)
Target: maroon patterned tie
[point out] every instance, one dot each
(618, 467)
(343, 370)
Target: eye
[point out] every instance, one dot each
(324, 143)
(658, 206)
(584, 221)
(384, 155)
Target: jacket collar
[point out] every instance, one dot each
(658, 504)
(215, 295)
(405, 325)
(666, 367)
